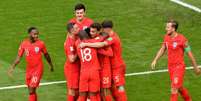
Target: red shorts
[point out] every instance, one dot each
(89, 81)
(118, 75)
(176, 75)
(33, 77)
(72, 76)
(105, 76)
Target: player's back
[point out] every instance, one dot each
(88, 57)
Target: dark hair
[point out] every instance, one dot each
(174, 24)
(79, 6)
(69, 27)
(31, 28)
(96, 25)
(83, 35)
(107, 24)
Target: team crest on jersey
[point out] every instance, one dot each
(36, 49)
(175, 44)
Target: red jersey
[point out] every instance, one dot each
(33, 53)
(175, 47)
(70, 49)
(104, 58)
(88, 57)
(85, 23)
(115, 43)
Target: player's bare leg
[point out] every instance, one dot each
(82, 96)
(174, 94)
(106, 94)
(72, 94)
(184, 93)
(32, 94)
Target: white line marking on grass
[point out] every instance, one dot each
(61, 82)
(187, 5)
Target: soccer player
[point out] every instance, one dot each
(33, 48)
(176, 44)
(80, 19)
(71, 67)
(117, 62)
(105, 72)
(89, 84)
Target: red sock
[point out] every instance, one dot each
(93, 98)
(184, 93)
(108, 98)
(122, 96)
(70, 98)
(81, 98)
(174, 97)
(33, 97)
(98, 97)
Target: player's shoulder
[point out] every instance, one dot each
(40, 42)
(89, 20)
(182, 36)
(72, 20)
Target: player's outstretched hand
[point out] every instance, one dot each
(10, 72)
(197, 71)
(153, 65)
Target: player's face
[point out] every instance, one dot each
(80, 13)
(107, 30)
(34, 34)
(93, 32)
(75, 29)
(169, 29)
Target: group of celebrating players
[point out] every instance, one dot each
(94, 67)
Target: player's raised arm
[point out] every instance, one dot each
(192, 58)
(158, 55)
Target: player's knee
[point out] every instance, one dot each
(174, 90)
(71, 92)
(105, 91)
(32, 90)
(92, 93)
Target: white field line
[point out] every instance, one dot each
(187, 5)
(61, 82)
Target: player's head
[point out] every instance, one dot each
(95, 29)
(69, 27)
(83, 35)
(107, 26)
(171, 26)
(72, 28)
(79, 11)
(33, 33)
